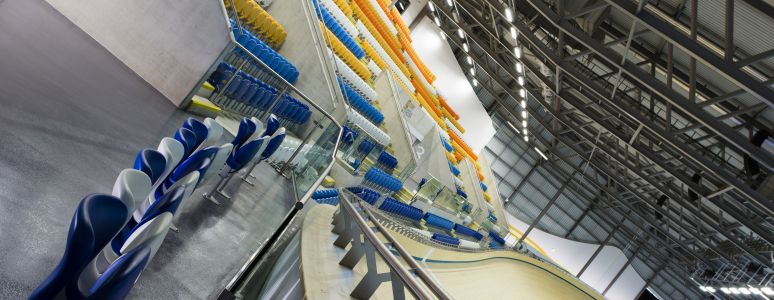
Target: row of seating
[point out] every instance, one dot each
(258, 20)
(461, 192)
(365, 146)
(113, 237)
(266, 54)
(368, 195)
(483, 186)
(446, 239)
(348, 75)
(348, 135)
(464, 230)
(291, 110)
(324, 193)
(494, 237)
(359, 121)
(253, 143)
(402, 209)
(340, 16)
(438, 221)
(387, 161)
(333, 200)
(338, 30)
(381, 181)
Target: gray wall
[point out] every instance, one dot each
(169, 43)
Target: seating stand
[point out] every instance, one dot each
(225, 177)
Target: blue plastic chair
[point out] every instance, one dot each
(188, 139)
(274, 142)
(152, 163)
(198, 128)
(246, 129)
(121, 275)
(98, 218)
(237, 160)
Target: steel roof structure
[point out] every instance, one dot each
(655, 119)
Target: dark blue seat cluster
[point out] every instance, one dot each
(292, 110)
(324, 193)
(348, 135)
(382, 179)
(462, 193)
(492, 217)
(328, 200)
(446, 239)
(438, 221)
(368, 195)
(454, 169)
(494, 245)
(338, 31)
(496, 238)
(464, 230)
(271, 58)
(402, 209)
(446, 145)
(365, 146)
(387, 160)
(483, 186)
(360, 104)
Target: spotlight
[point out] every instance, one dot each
(767, 291)
(523, 93)
(523, 103)
(521, 80)
(744, 290)
(437, 22)
(469, 59)
(443, 36)
(431, 6)
(460, 33)
(516, 51)
(523, 114)
(513, 32)
(465, 47)
(525, 132)
(725, 290)
(475, 82)
(473, 71)
(519, 67)
(734, 291)
(449, 2)
(756, 291)
(526, 138)
(710, 289)
(508, 14)
(524, 123)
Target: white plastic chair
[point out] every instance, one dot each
(132, 187)
(214, 132)
(218, 161)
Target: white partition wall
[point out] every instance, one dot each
(453, 84)
(169, 43)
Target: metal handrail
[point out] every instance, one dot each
(411, 283)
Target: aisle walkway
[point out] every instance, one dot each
(71, 117)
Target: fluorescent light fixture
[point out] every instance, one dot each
(449, 2)
(465, 47)
(508, 14)
(526, 138)
(525, 132)
(711, 289)
(469, 59)
(523, 114)
(513, 32)
(744, 290)
(521, 80)
(767, 291)
(702, 288)
(756, 291)
(431, 6)
(473, 71)
(523, 103)
(437, 22)
(511, 125)
(519, 67)
(546, 158)
(523, 93)
(734, 291)
(516, 50)
(725, 290)
(460, 33)
(475, 82)
(524, 123)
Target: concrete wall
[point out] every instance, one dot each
(169, 43)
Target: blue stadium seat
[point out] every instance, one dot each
(446, 239)
(402, 209)
(438, 221)
(464, 230)
(120, 276)
(496, 238)
(152, 163)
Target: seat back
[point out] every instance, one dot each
(272, 125)
(214, 132)
(259, 128)
(246, 129)
(242, 156)
(132, 187)
(120, 276)
(199, 129)
(218, 161)
(98, 218)
(188, 139)
(168, 202)
(198, 161)
(274, 142)
(151, 162)
(173, 151)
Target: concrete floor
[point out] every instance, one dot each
(71, 117)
